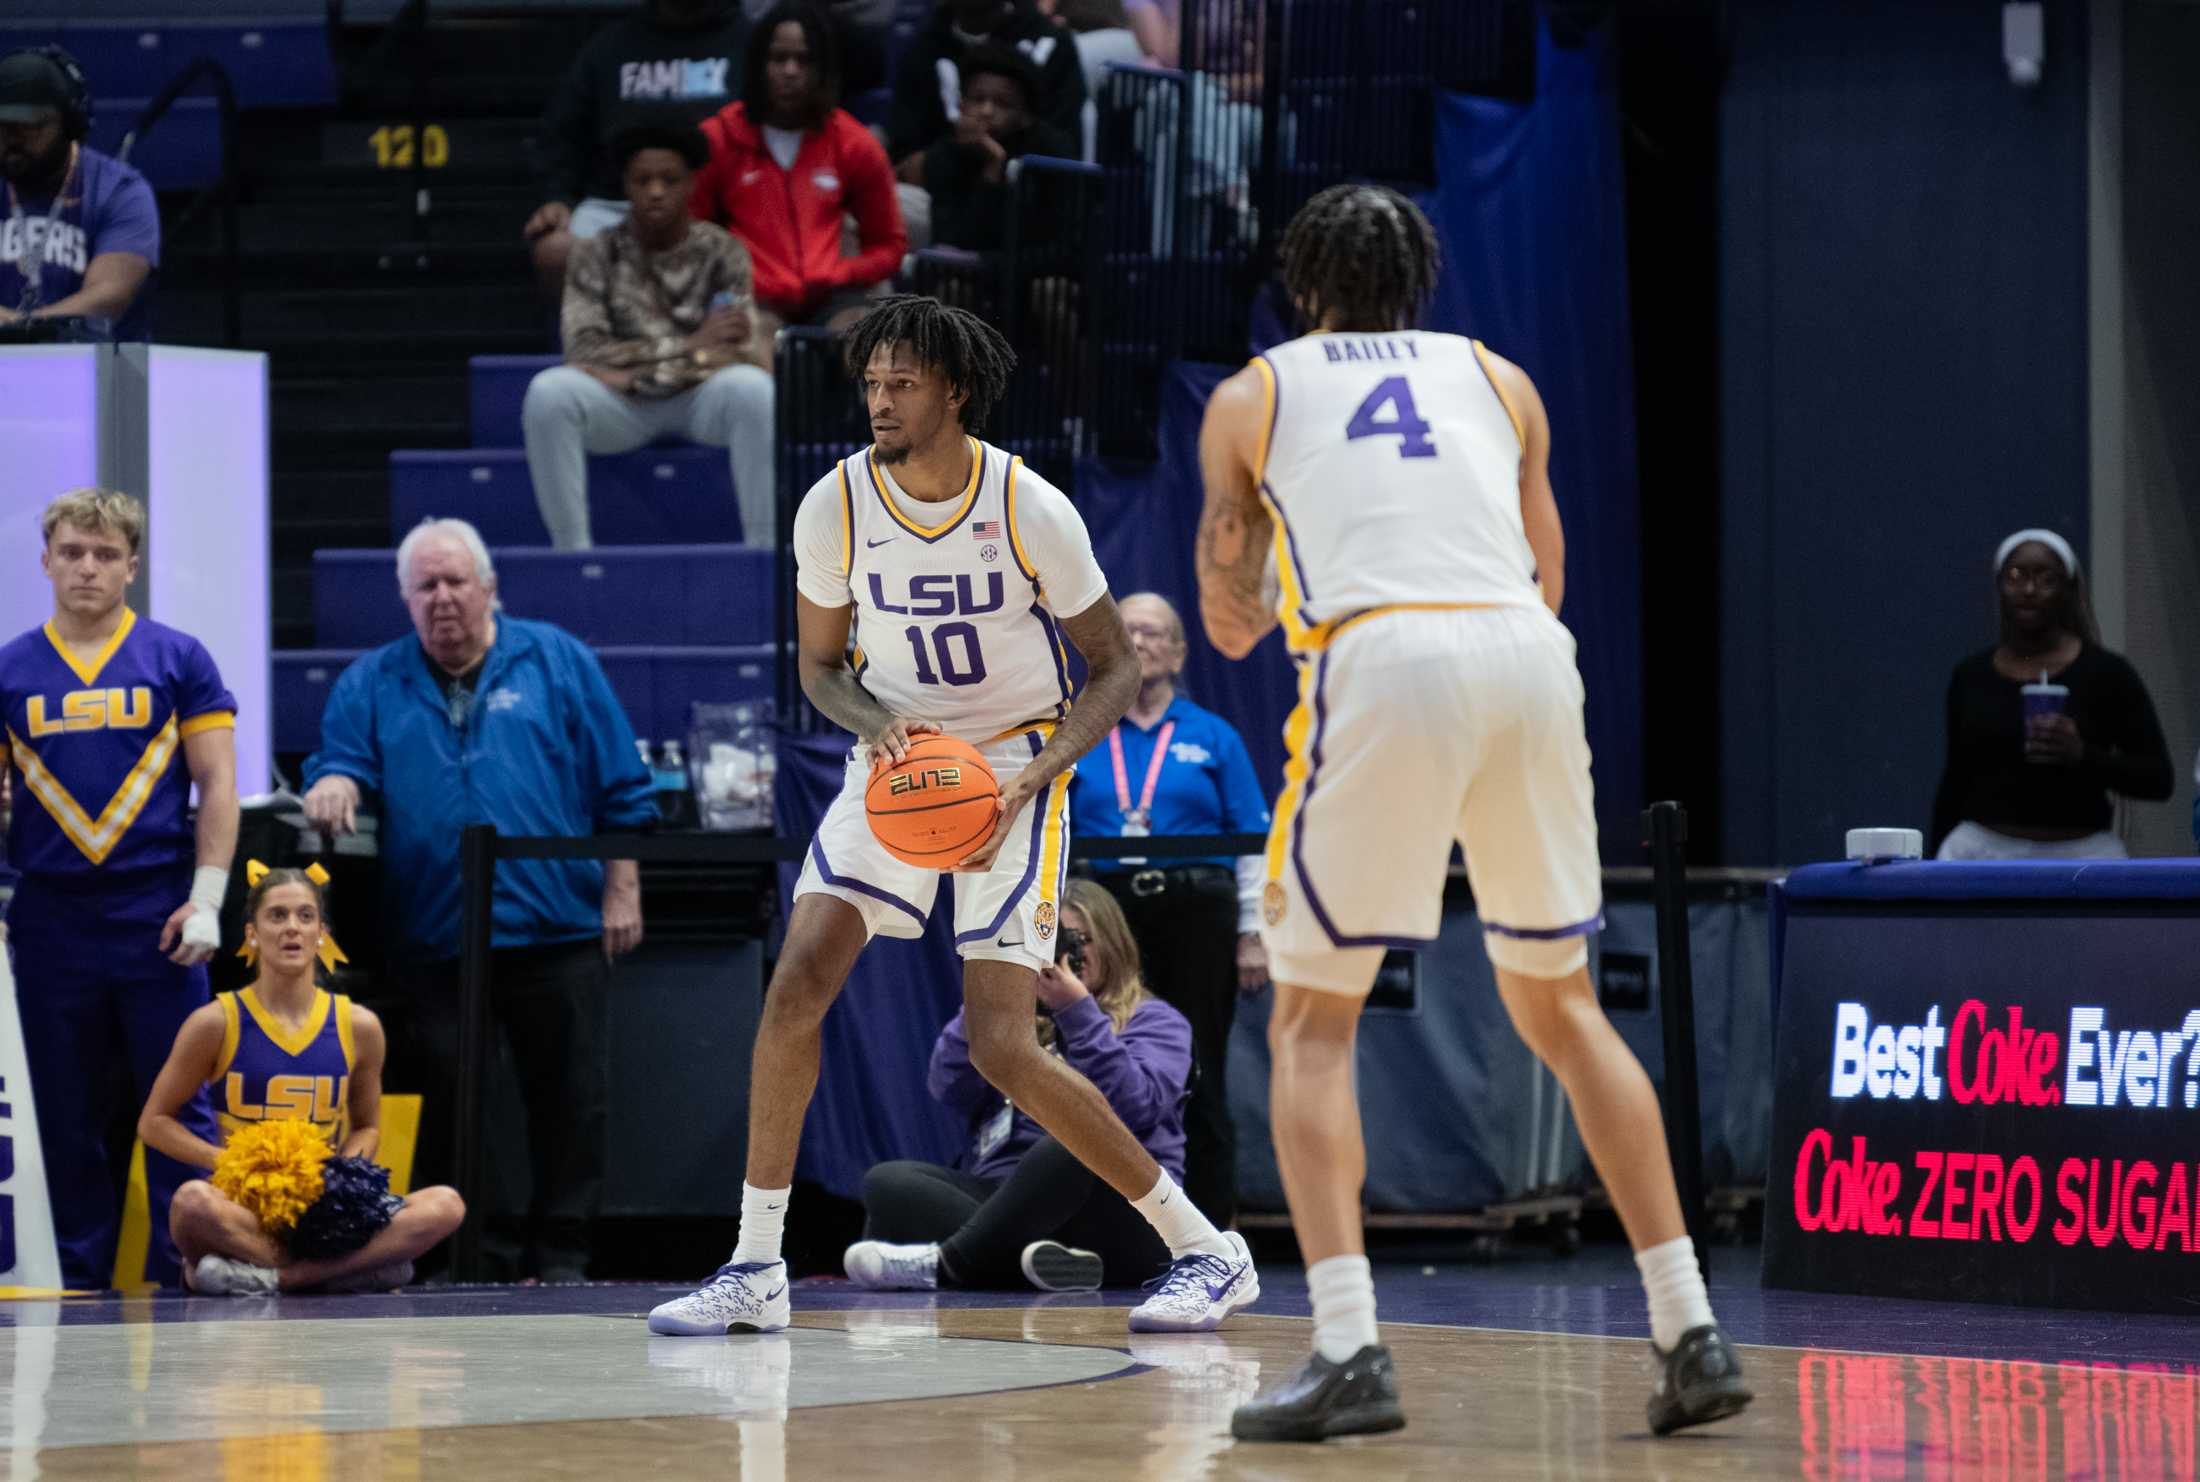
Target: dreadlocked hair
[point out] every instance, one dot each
(964, 348)
(1362, 253)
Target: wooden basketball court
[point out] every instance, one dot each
(497, 1383)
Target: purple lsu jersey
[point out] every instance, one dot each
(267, 1074)
(97, 748)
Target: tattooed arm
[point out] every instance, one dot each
(1235, 532)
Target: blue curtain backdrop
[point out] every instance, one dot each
(1531, 210)
(1531, 215)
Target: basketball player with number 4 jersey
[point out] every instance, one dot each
(1383, 494)
(962, 575)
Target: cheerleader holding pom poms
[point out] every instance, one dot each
(295, 1201)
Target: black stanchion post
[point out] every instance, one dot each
(477, 857)
(1667, 827)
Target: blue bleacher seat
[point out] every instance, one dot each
(273, 62)
(665, 495)
(656, 686)
(183, 153)
(700, 594)
(302, 680)
(496, 388)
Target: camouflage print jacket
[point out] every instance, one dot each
(627, 308)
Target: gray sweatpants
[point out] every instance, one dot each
(569, 414)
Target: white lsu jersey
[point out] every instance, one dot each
(1392, 473)
(956, 603)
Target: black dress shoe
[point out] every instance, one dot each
(1323, 1399)
(1699, 1381)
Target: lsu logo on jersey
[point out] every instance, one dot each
(305, 1098)
(941, 596)
(92, 710)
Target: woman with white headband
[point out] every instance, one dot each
(2046, 724)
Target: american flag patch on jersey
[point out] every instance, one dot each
(986, 529)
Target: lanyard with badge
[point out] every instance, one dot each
(1138, 821)
(28, 259)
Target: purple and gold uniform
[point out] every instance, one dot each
(266, 1074)
(102, 834)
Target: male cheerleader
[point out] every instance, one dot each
(112, 720)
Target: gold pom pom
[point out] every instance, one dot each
(274, 1170)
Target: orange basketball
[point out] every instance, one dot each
(935, 805)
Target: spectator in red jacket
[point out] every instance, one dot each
(786, 165)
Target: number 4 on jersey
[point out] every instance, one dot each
(1403, 422)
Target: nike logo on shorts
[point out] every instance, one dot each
(1005, 942)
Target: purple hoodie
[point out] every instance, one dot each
(1143, 1072)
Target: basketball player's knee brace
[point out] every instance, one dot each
(1537, 957)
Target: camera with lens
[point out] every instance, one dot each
(1069, 950)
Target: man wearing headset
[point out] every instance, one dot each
(80, 231)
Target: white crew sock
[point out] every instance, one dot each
(1343, 1290)
(763, 1217)
(1674, 1284)
(1179, 1223)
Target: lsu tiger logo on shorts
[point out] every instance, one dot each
(1042, 920)
(1272, 903)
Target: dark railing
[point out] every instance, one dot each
(820, 421)
(1346, 88)
(223, 192)
(1033, 291)
(1204, 166)
(481, 847)
(1139, 303)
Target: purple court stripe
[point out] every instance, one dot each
(1031, 862)
(1547, 933)
(860, 887)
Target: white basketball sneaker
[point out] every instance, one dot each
(1199, 1291)
(892, 1268)
(740, 1297)
(219, 1276)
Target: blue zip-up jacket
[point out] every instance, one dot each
(546, 750)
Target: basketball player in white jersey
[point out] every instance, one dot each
(961, 573)
(1383, 493)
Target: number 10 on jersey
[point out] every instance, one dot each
(951, 657)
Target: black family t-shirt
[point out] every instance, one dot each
(633, 71)
(1987, 779)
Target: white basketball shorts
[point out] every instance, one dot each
(1008, 914)
(1415, 728)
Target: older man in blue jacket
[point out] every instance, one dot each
(486, 718)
